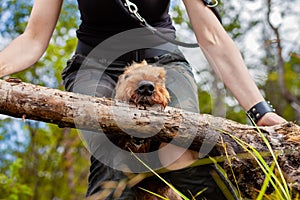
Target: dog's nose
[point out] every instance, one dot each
(145, 88)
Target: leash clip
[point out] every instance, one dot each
(134, 10)
(211, 4)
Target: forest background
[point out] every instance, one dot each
(41, 161)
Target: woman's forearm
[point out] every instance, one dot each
(222, 54)
(228, 64)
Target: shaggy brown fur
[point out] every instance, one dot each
(144, 85)
(127, 88)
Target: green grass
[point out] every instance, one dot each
(279, 184)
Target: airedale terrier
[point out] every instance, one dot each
(144, 85)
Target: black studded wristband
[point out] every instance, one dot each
(259, 110)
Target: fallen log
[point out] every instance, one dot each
(200, 132)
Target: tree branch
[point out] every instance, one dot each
(67, 109)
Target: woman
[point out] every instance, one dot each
(102, 20)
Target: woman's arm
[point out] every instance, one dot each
(225, 58)
(27, 48)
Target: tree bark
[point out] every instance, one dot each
(206, 133)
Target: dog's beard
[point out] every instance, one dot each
(159, 98)
(142, 100)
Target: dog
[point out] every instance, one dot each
(144, 85)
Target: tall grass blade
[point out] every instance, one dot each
(156, 174)
(198, 193)
(266, 183)
(230, 164)
(153, 193)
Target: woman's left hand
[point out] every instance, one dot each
(270, 119)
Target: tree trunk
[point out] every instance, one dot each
(67, 109)
(280, 66)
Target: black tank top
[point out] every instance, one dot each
(104, 18)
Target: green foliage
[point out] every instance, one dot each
(292, 74)
(205, 101)
(180, 16)
(56, 157)
(15, 13)
(292, 83)
(234, 27)
(236, 114)
(10, 186)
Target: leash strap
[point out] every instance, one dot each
(171, 40)
(131, 9)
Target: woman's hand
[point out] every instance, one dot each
(270, 119)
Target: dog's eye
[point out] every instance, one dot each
(126, 76)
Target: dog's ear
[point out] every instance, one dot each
(136, 65)
(162, 74)
(144, 62)
(120, 76)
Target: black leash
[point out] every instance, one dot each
(132, 10)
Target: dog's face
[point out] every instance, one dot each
(143, 84)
